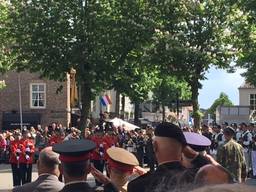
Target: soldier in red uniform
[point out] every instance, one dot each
(56, 137)
(98, 155)
(27, 157)
(16, 150)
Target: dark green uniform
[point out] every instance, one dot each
(230, 155)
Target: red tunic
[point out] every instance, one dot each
(28, 151)
(100, 147)
(55, 139)
(16, 150)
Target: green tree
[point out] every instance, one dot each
(223, 100)
(135, 80)
(6, 56)
(243, 25)
(169, 89)
(192, 36)
(93, 37)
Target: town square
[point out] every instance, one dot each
(128, 95)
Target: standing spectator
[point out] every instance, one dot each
(207, 133)
(218, 139)
(33, 132)
(40, 142)
(231, 156)
(3, 145)
(27, 157)
(246, 141)
(150, 151)
(254, 157)
(140, 148)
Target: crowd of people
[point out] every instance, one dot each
(165, 158)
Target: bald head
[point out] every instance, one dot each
(48, 161)
(213, 174)
(167, 149)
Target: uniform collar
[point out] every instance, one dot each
(47, 174)
(170, 164)
(75, 182)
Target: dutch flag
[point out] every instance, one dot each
(105, 100)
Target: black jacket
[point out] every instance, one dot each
(167, 176)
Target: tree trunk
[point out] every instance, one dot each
(86, 105)
(163, 113)
(196, 111)
(123, 106)
(136, 112)
(117, 108)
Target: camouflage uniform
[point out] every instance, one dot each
(230, 155)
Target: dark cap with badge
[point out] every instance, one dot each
(170, 130)
(196, 141)
(74, 150)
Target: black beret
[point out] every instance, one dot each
(229, 130)
(170, 130)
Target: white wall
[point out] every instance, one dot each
(244, 96)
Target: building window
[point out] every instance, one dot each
(252, 101)
(38, 95)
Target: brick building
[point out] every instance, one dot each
(42, 100)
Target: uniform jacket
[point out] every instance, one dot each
(27, 144)
(77, 187)
(231, 156)
(167, 176)
(14, 146)
(101, 147)
(55, 139)
(84, 187)
(45, 182)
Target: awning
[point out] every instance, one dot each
(121, 123)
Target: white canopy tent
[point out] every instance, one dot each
(121, 123)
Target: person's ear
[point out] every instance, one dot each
(88, 167)
(108, 169)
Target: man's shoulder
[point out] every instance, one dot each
(140, 182)
(43, 183)
(231, 144)
(25, 187)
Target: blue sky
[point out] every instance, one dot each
(220, 81)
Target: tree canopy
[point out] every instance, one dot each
(92, 37)
(243, 27)
(223, 100)
(192, 36)
(133, 46)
